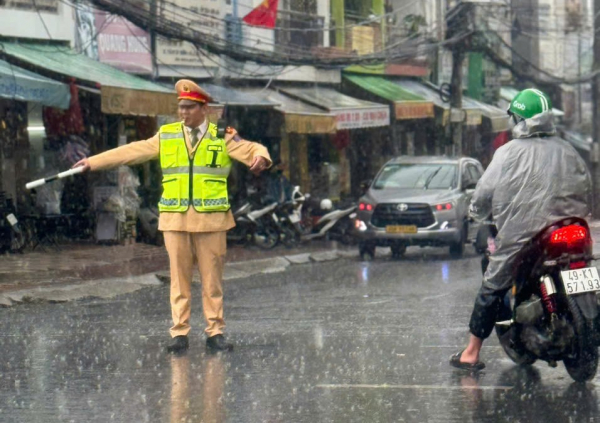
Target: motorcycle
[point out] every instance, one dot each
(333, 224)
(550, 312)
(289, 218)
(255, 227)
(12, 237)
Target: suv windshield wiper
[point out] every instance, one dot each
(430, 178)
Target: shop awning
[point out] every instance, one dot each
(508, 93)
(497, 117)
(20, 84)
(407, 105)
(121, 92)
(234, 97)
(350, 112)
(300, 117)
(474, 109)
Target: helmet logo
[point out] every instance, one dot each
(519, 106)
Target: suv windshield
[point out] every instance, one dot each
(425, 176)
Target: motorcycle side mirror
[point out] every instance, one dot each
(470, 187)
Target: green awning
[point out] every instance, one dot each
(407, 105)
(20, 84)
(121, 92)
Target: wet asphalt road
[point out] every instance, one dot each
(342, 341)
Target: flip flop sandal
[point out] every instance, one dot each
(474, 367)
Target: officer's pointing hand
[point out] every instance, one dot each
(259, 164)
(85, 163)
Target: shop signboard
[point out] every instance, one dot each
(113, 40)
(45, 6)
(200, 15)
(363, 118)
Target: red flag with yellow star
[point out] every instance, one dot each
(265, 14)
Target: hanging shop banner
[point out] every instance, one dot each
(365, 118)
(123, 45)
(113, 40)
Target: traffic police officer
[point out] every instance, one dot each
(194, 207)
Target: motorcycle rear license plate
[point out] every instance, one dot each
(401, 229)
(294, 218)
(580, 281)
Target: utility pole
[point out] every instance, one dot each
(595, 153)
(153, 12)
(457, 114)
(458, 19)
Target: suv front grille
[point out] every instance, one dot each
(390, 214)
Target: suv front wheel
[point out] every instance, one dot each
(458, 248)
(366, 251)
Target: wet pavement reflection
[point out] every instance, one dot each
(342, 341)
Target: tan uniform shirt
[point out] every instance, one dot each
(191, 221)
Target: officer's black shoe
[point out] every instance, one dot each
(218, 343)
(180, 344)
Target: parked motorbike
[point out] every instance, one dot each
(333, 224)
(550, 312)
(289, 222)
(12, 237)
(255, 226)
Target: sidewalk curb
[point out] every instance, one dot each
(111, 287)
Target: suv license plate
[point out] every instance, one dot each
(401, 229)
(580, 281)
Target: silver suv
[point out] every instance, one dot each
(420, 201)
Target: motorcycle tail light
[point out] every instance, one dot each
(365, 206)
(572, 235)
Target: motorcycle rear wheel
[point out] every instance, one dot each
(583, 362)
(522, 358)
(288, 235)
(266, 237)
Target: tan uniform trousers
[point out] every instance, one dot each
(209, 248)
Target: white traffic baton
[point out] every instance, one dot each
(67, 173)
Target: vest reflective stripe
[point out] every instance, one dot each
(219, 171)
(171, 136)
(203, 183)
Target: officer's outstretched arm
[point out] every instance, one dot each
(246, 151)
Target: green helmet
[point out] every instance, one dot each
(530, 102)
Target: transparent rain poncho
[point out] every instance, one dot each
(532, 181)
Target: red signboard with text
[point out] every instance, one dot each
(123, 45)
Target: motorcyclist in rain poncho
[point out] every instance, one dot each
(531, 182)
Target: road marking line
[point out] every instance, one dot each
(434, 387)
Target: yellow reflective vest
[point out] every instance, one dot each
(201, 180)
